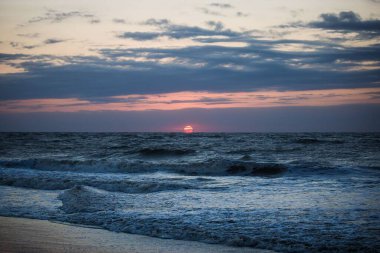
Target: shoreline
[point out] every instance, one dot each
(32, 235)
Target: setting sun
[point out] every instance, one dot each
(188, 129)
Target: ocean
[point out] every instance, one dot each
(290, 192)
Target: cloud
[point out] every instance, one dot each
(30, 46)
(175, 31)
(157, 22)
(14, 44)
(242, 14)
(239, 62)
(218, 26)
(182, 100)
(5, 57)
(258, 65)
(140, 35)
(22, 45)
(26, 46)
(210, 12)
(53, 41)
(54, 16)
(119, 21)
(343, 22)
(297, 12)
(346, 21)
(29, 35)
(94, 21)
(222, 6)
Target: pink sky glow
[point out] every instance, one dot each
(205, 100)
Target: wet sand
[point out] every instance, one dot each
(27, 235)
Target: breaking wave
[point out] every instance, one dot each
(210, 167)
(87, 199)
(50, 180)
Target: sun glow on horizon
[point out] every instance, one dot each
(188, 129)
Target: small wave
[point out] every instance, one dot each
(165, 152)
(243, 151)
(246, 157)
(46, 163)
(257, 169)
(317, 141)
(87, 199)
(123, 147)
(279, 149)
(74, 165)
(228, 167)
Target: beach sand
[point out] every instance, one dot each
(29, 236)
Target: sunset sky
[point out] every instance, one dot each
(238, 65)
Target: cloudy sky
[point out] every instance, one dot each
(233, 65)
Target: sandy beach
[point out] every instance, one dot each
(28, 235)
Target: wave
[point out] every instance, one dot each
(137, 215)
(48, 180)
(241, 166)
(87, 199)
(258, 169)
(210, 167)
(91, 206)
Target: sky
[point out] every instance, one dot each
(233, 65)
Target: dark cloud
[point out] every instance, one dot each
(174, 31)
(30, 46)
(5, 57)
(53, 41)
(343, 22)
(258, 65)
(346, 21)
(220, 5)
(140, 35)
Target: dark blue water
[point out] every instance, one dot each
(287, 192)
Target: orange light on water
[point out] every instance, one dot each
(188, 129)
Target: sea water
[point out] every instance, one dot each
(299, 192)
